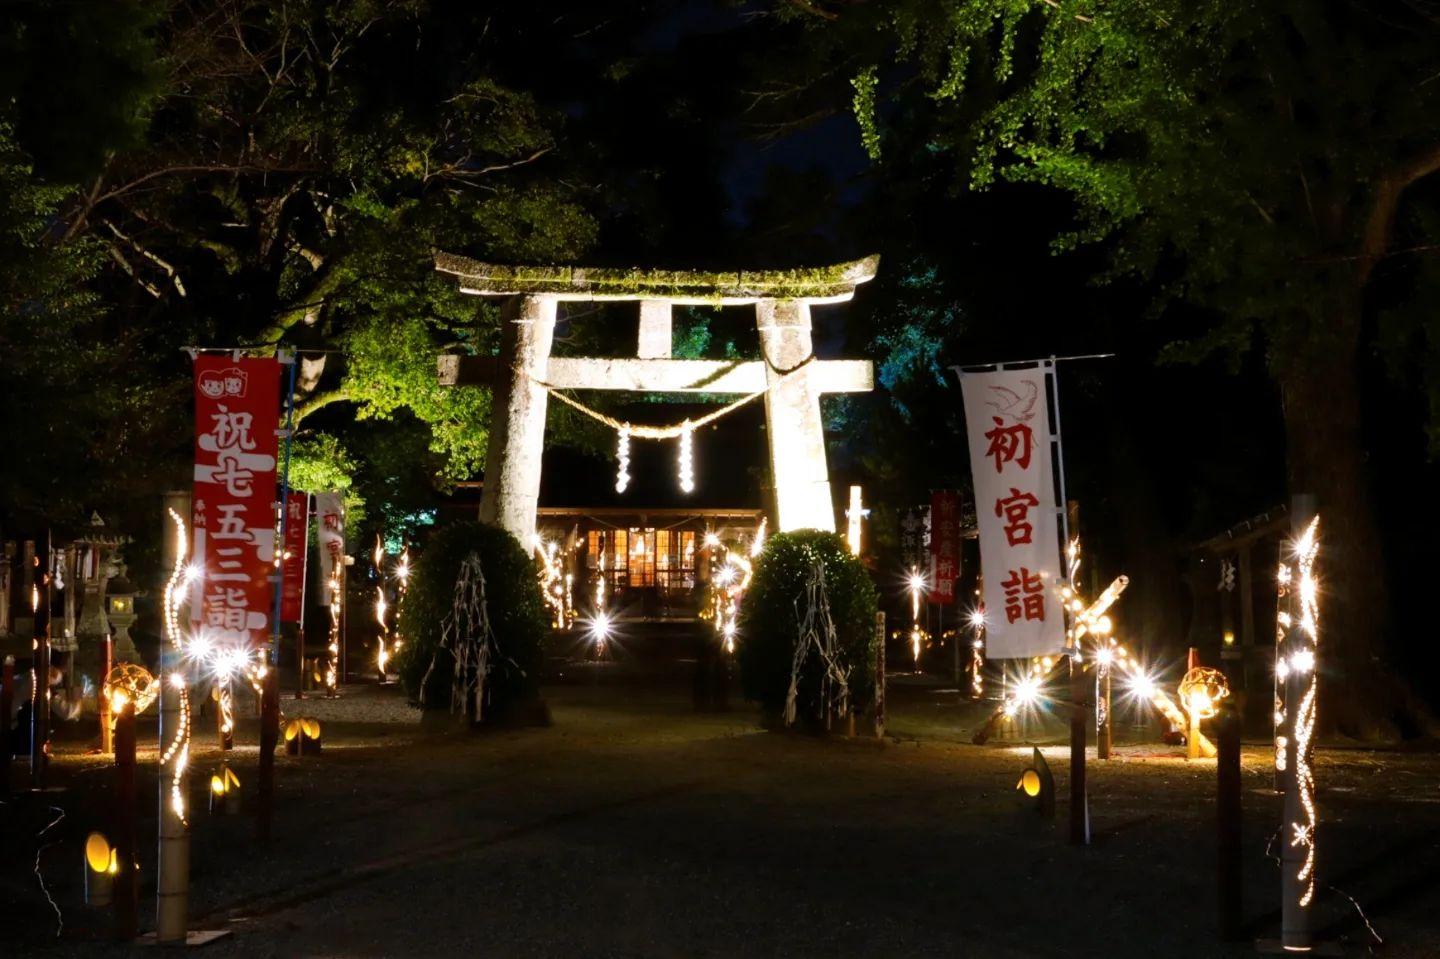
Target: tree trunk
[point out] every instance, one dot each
(1360, 696)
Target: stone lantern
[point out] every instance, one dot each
(120, 610)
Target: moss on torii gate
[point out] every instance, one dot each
(793, 380)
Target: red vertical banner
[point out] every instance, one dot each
(237, 414)
(292, 583)
(945, 544)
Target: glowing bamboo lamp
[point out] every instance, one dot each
(1200, 692)
(173, 871)
(1037, 784)
(302, 736)
(1298, 674)
(225, 791)
(101, 867)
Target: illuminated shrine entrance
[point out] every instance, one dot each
(654, 563)
(788, 377)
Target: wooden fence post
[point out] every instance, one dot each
(1228, 810)
(127, 892)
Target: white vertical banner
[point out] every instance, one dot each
(1007, 422)
(330, 536)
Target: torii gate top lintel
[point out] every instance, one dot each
(788, 376)
(824, 284)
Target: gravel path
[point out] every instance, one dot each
(636, 827)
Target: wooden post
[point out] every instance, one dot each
(70, 557)
(300, 656)
(107, 741)
(1283, 606)
(40, 678)
(7, 575)
(127, 892)
(343, 675)
(7, 706)
(880, 674)
(1103, 705)
(1079, 801)
(1247, 598)
(269, 739)
(1228, 812)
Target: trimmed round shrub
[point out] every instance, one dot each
(774, 607)
(513, 601)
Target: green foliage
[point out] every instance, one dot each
(320, 463)
(771, 613)
(392, 367)
(514, 602)
(1215, 148)
(864, 106)
(230, 173)
(77, 390)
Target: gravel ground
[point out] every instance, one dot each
(636, 827)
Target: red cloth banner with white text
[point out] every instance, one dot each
(1007, 422)
(237, 413)
(944, 545)
(292, 584)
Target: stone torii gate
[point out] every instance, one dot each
(788, 374)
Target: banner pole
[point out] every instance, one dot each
(287, 359)
(304, 579)
(1079, 800)
(270, 684)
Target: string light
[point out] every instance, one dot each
(622, 458)
(730, 575)
(554, 584)
(177, 752)
(1109, 655)
(687, 458)
(916, 585)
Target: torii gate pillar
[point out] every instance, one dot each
(517, 416)
(794, 429)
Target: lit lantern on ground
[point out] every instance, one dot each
(129, 683)
(1037, 786)
(302, 736)
(225, 792)
(1200, 693)
(100, 869)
